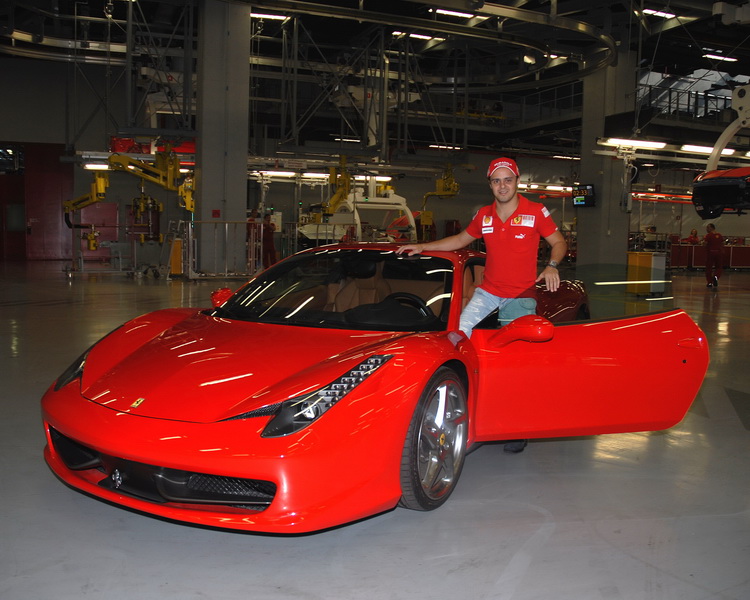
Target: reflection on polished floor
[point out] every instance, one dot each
(640, 516)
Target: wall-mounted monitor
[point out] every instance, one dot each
(583, 195)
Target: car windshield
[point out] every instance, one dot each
(348, 289)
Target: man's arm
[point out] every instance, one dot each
(551, 275)
(452, 242)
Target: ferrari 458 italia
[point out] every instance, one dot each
(335, 385)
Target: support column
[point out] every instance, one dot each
(602, 231)
(222, 144)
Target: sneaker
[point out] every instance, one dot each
(515, 446)
(716, 281)
(709, 285)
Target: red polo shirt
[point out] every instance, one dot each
(714, 242)
(512, 247)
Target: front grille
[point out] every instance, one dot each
(229, 486)
(161, 484)
(76, 457)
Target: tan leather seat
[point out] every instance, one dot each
(366, 286)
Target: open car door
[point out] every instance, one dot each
(633, 374)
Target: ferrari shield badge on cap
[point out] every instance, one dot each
(503, 163)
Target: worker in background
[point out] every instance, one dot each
(269, 249)
(511, 227)
(693, 238)
(714, 243)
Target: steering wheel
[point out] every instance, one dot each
(412, 300)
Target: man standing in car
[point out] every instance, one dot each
(511, 227)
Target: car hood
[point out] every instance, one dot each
(204, 369)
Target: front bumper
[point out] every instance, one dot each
(224, 474)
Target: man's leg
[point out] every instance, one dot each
(718, 268)
(481, 304)
(710, 269)
(516, 307)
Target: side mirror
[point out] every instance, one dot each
(220, 296)
(529, 328)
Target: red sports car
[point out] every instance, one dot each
(336, 385)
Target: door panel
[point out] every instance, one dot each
(12, 218)
(635, 374)
(14, 232)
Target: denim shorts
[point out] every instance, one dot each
(483, 303)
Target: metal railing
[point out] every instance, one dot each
(227, 249)
(685, 104)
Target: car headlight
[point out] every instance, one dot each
(298, 412)
(73, 372)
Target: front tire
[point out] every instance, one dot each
(435, 445)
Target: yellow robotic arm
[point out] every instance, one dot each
(165, 172)
(96, 194)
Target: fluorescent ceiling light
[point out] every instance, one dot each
(634, 143)
(278, 173)
(348, 140)
(658, 13)
(419, 36)
(720, 57)
(444, 147)
(377, 178)
(96, 166)
(453, 13)
(705, 149)
(562, 157)
(556, 188)
(315, 175)
(267, 16)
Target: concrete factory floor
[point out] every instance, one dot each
(643, 516)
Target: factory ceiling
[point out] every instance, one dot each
(461, 74)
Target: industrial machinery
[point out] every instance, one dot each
(368, 212)
(144, 213)
(164, 172)
(445, 186)
(372, 212)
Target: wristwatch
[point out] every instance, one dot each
(553, 263)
